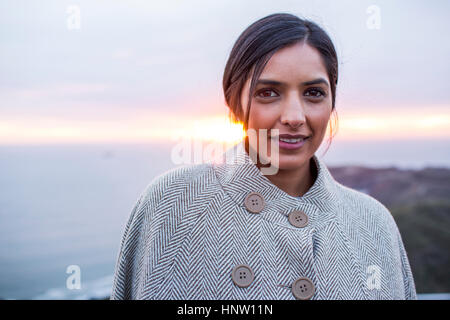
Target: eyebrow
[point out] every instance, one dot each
(278, 83)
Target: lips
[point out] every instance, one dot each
(291, 141)
(291, 138)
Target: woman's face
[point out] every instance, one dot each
(293, 95)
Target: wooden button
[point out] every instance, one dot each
(242, 275)
(254, 202)
(303, 288)
(298, 219)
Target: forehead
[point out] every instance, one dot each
(297, 62)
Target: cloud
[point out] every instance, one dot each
(123, 53)
(11, 96)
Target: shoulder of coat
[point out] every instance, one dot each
(364, 203)
(177, 180)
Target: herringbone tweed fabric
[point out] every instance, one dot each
(190, 228)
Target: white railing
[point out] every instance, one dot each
(433, 296)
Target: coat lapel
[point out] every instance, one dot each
(238, 176)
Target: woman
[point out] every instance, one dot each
(238, 229)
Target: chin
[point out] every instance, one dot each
(292, 162)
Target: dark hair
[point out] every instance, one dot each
(256, 45)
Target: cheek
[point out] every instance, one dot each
(261, 118)
(318, 121)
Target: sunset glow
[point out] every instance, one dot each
(160, 128)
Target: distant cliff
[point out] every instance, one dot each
(419, 201)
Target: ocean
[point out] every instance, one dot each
(67, 205)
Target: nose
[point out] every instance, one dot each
(293, 113)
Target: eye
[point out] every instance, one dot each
(315, 93)
(266, 93)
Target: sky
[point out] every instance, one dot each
(127, 71)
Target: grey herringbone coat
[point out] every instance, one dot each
(190, 228)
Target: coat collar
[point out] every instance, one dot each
(238, 176)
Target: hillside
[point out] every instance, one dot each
(419, 201)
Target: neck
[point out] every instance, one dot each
(295, 182)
